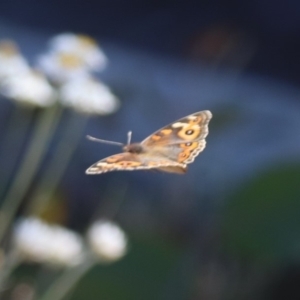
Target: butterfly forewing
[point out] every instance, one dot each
(190, 128)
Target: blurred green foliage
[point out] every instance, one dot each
(262, 220)
(142, 274)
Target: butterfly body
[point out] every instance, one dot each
(134, 148)
(169, 149)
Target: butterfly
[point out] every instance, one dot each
(169, 149)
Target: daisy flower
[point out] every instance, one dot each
(82, 45)
(40, 242)
(71, 56)
(87, 95)
(29, 87)
(11, 61)
(107, 240)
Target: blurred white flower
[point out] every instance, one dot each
(89, 96)
(37, 241)
(82, 45)
(11, 61)
(71, 56)
(28, 87)
(62, 66)
(107, 240)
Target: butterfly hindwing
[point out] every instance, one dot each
(129, 162)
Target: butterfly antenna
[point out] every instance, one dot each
(129, 135)
(103, 141)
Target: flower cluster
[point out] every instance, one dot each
(37, 241)
(62, 77)
(69, 63)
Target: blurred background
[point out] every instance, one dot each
(230, 227)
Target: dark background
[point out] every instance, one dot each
(230, 228)
(170, 27)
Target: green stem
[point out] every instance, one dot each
(66, 147)
(14, 137)
(67, 281)
(42, 134)
(12, 260)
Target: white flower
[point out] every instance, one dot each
(37, 241)
(62, 66)
(29, 87)
(71, 56)
(87, 95)
(82, 45)
(107, 240)
(11, 61)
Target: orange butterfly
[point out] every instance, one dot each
(169, 149)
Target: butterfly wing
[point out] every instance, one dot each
(190, 128)
(182, 140)
(130, 161)
(168, 149)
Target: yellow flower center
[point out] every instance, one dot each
(86, 42)
(70, 60)
(8, 48)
